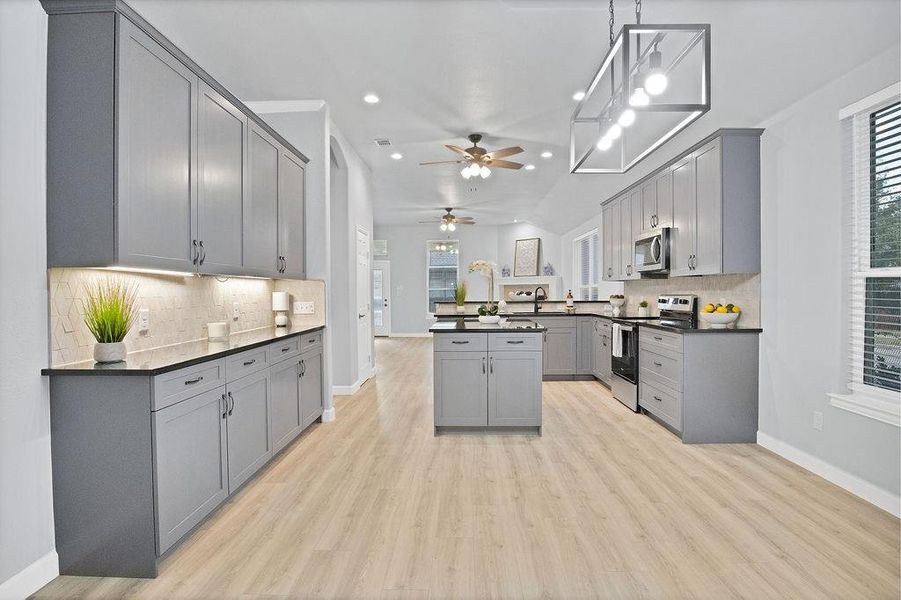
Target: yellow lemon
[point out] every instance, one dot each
(709, 308)
(721, 309)
(735, 309)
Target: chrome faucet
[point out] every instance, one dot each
(538, 299)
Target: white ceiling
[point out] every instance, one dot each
(446, 68)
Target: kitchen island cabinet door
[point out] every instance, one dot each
(461, 387)
(286, 412)
(157, 161)
(190, 463)
(249, 444)
(310, 387)
(514, 389)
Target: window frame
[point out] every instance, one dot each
(428, 267)
(593, 265)
(861, 398)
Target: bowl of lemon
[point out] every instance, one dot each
(720, 316)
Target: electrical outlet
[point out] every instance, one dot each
(144, 319)
(818, 420)
(236, 311)
(304, 308)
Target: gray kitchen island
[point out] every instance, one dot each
(487, 376)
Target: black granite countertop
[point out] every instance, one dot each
(642, 321)
(473, 326)
(702, 328)
(170, 358)
(550, 313)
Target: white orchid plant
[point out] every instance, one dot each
(488, 269)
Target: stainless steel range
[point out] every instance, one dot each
(678, 311)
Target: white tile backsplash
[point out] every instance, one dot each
(180, 308)
(742, 290)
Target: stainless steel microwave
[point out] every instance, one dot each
(651, 251)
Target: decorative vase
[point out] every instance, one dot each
(109, 353)
(617, 304)
(643, 311)
(461, 308)
(489, 318)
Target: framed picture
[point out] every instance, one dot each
(527, 257)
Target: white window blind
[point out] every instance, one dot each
(585, 267)
(873, 155)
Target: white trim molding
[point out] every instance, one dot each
(876, 404)
(32, 578)
(346, 390)
(328, 415)
(870, 101)
(410, 335)
(861, 488)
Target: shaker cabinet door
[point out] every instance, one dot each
(190, 463)
(709, 218)
(249, 444)
(284, 384)
(157, 160)
(560, 351)
(663, 184)
(311, 387)
(261, 205)
(222, 141)
(648, 205)
(461, 387)
(682, 240)
(291, 236)
(514, 389)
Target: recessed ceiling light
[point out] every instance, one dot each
(516, 220)
(397, 156)
(529, 167)
(371, 99)
(547, 154)
(578, 95)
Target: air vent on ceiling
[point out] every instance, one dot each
(382, 142)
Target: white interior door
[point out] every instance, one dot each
(364, 322)
(381, 288)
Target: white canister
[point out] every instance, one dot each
(218, 331)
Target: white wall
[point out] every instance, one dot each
(27, 557)
(803, 314)
(506, 245)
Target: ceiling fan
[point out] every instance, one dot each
(478, 159)
(449, 221)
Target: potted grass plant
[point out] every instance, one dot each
(460, 296)
(643, 310)
(109, 314)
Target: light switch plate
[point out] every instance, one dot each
(236, 311)
(818, 420)
(304, 308)
(144, 319)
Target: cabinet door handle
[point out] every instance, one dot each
(231, 407)
(247, 363)
(657, 364)
(658, 338)
(303, 368)
(193, 381)
(658, 399)
(225, 405)
(202, 252)
(194, 252)
(483, 365)
(312, 341)
(459, 342)
(491, 364)
(284, 264)
(286, 348)
(515, 342)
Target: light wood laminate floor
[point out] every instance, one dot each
(605, 504)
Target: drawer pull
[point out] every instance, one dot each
(658, 338)
(312, 341)
(657, 364)
(658, 399)
(247, 363)
(285, 349)
(515, 341)
(193, 381)
(459, 342)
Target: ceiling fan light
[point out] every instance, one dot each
(639, 97)
(485, 172)
(443, 227)
(626, 118)
(465, 173)
(474, 169)
(604, 143)
(451, 227)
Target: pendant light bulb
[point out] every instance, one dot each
(604, 144)
(639, 97)
(626, 118)
(451, 227)
(474, 169)
(485, 172)
(655, 83)
(614, 132)
(465, 173)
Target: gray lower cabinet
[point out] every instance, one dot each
(585, 334)
(514, 389)
(461, 387)
(284, 381)
(311, 401)
(560, 346)
(601, 367)
(191, 464)
(606, 365)
(249, 442)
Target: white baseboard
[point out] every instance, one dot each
(872, 493)
(346, 390)
(410, 335)
(31, 578)
(328, 415)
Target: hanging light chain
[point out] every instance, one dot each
(611, 23)
(638, 12)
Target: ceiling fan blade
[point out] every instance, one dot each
(465, 220)
(458, 149)
(503, 152)
(442, 162)
(505, 164)
(430, 222)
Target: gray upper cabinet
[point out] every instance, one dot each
(285, 389)
(249, 444)
(157, 159)
(710, 197)
(149, 159)
(291, 215)
(189, 442)
(311, 387)
(514, 389)
(222, 148)
(461, 386)
(261, 249)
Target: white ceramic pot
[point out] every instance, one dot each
(489, 318)
(109, 353)
(617, 304)
(644, 311)
(461, 308)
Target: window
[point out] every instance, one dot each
(443, 260)
(585, 266)
(874, 274)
